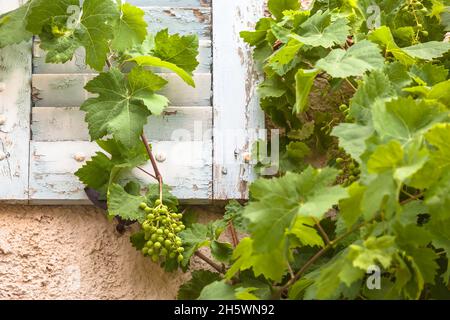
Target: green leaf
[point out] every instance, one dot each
(179, 50)
(362, 57)
(303, 229)
(218, 290)
(278, 201)
(381, 194)
(404, 118)
(96, 172)
(149, 61)
(131, 29)
(221, 251)
(350, 208)
(142, 84)
(200, 278)
(373, 251)
(233, 213)
(385, 157)
(322, 29)
(257, 37)
(115, 111)
(245, 258)
(428, 50)
(12, 28)
(352, 137)
(304, 80)
(41, 12)
(374, 87)
(283, 59)
(430, 74)
(125, 205)
(383, 37)
(277, 7)
(138, 240)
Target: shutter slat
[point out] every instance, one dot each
(67, 90)
(67, 124)
(187, 168)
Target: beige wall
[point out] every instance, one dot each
(74, 253)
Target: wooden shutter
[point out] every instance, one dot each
(15, 105)
(210, 167)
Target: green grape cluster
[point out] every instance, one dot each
(349, 171)
(161, 229)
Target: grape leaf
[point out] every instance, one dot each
(95, 173)
(373, 251)
(116, 110)
(179, 50)
(283, 59)
(322, 30)
(361, 57)
(138, 240)
(218, 290)
(221, 251)
(245, 258)
(352, 137)
(429, 74)
(350, 208)
(278, 201)
(149, 61)
(200, 278)
(303, 229)
(403, 118)
(304, 80)
(12, 29)
(131, 29)
(277, 7)
(124, 205)
(428, 50)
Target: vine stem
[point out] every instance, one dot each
(209, 261)
(234, 237)
(154, 165)
(314, 258)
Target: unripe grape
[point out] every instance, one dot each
(153, 229)
(182, 227)
(180, 216)
(177, 229)
(142, 205)
(170, 235)
(174, 215)
(157, 202)
(164, 221)
(155, 258)
(159, 231)
(180, 258)
(148, 210)
(150, 251)
(343, 107)
(144, 250)
(157, 245)
(178, 243)
(180, 249)
(164, 252)
(425, 33)
(174, 225)
(351, 166)
(166, 231)
(172, 255)
(151, 216)
(167, 243)
(154, 237)
(160, 239)
(149, 243)
(339, 160)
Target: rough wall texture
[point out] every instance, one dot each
(74, 253)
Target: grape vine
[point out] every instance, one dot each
(360, 90)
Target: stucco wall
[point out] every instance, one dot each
(74, 253)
